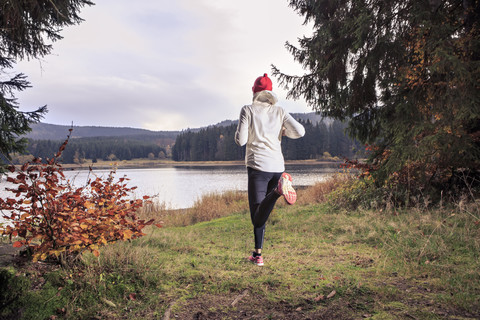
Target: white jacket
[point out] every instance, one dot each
(260, 127)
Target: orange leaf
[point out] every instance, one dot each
(127, 234)
(88, 204)
(158, 225)
(96, 253)
(17, 244)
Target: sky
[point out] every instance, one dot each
(163, 65)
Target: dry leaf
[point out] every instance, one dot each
(331, 294)
(320, 297)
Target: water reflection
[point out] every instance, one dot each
(179, 187)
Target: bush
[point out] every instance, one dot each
(56, 220)
(356, 192)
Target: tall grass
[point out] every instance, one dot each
(318, 193)
(210, 206)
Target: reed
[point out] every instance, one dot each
(318, 192)
(206, 208)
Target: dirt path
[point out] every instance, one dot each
(414, 303)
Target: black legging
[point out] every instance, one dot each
(261, 198)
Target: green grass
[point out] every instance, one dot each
(411, 264)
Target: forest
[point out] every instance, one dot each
(100, 148)
(217, 144)
(213, 143)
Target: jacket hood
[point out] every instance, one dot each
(265, 96)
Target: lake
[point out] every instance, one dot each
(179, 186)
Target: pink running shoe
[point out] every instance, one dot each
(285, 188)
(257, 260)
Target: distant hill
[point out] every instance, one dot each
(312, 116)
(45, 131)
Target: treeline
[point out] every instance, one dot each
(101, 148)
(213, 143)
(321, 139)
(217, 143)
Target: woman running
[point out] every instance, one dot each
(261, 127)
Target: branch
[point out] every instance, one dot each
(56, 9)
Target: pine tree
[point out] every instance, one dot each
(404, 74)
(322, 138)
(27, 30)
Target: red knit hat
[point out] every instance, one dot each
(262, 83)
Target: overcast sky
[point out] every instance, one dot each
(163, 65)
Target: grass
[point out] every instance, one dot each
(320, 263)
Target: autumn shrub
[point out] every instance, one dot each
(53, 219)
(415, 184)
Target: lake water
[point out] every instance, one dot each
(179, 186)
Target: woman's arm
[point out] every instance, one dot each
(241, 135)
(293, 129)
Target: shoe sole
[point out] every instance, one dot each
(287, 189)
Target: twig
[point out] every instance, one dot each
(239, 297)
(56, 9)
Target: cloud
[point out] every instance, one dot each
(162, 65)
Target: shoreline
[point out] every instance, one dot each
(149, 164)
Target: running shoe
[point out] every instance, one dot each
(285, 188)
(256, 260)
